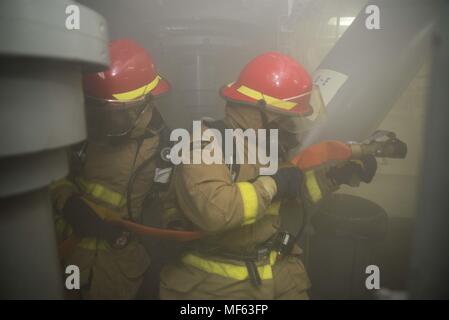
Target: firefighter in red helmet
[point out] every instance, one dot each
(246, 253)
(124, 129)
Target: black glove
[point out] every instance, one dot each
(86, 223)
(288, 181)
(363, 169)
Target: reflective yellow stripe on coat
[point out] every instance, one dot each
(312, 186)
(90, 243)
(106, 195)
(274, 208)
(228, 270)
(250, 203)
(62, 183)
(102, 193)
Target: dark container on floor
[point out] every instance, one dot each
(347, 230)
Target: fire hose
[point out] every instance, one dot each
(383, 144)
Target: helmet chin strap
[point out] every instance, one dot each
(265, 123)
(262, 107)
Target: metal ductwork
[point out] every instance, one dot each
(41, 114)
(360, 89)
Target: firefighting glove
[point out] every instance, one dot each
(288, 182)
(86, 223)
(354, 171)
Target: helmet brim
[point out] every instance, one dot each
(162, 88)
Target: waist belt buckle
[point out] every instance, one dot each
(253, 272)
(262, 253)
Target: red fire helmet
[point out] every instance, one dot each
(132, 75)
(278, 81)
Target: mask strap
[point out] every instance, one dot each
(146, 115)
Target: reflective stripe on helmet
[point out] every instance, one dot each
(228, 270)
(139, 92)
(312, 186)
(250, 203)
(284, 104)
(102, 193)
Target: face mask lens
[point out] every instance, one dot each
(113, 119)
(118, 122)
